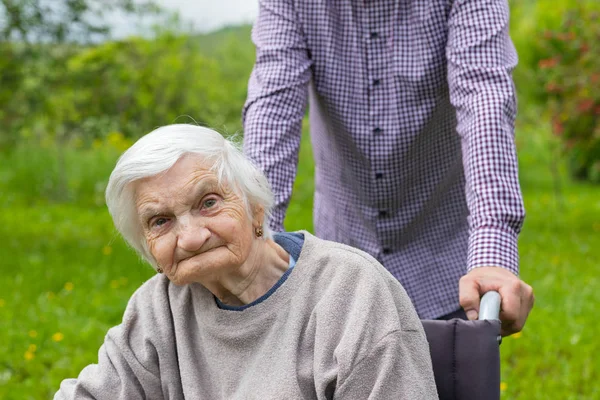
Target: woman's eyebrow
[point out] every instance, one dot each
(203, 187)
(147, 212)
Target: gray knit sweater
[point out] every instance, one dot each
(340, 327)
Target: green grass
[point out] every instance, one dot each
(556, 355)
(66, 276)
(66, 279)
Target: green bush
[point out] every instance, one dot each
(130, 86)
(569, 75)
(528, 20)
(67, 112)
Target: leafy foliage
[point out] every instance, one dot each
(570, 73)
(131, 86)
(70, 98)
(59, 21)
(559, 63)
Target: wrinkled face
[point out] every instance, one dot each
(196, 230)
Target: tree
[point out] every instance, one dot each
(37, 37)
(60, 21)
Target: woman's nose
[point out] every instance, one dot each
(192, 235)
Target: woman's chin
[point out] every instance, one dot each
(182, 277)
(186, 273)
(178, 281)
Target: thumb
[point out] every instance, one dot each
(469, 297)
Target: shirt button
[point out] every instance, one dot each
(376, 82)
(383, 213)
(374, 35)
(377, 131)
(386, 250)
(378, 175)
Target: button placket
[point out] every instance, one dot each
(378, 58)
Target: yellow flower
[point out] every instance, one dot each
(517, 335)
(50, 295)
(32, 333)
(29, 355)
(118, 141)
(32, 348)
(123, 281)
(107, 250)
(2, 302)
(114, 284)
(57, 337)
(69, 286)
(115, 137)
(503, 386)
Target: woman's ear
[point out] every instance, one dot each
(258, 216)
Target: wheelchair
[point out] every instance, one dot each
(466, 354)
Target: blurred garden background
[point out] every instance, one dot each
(72, 99)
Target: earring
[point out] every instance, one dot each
(258, 231)
(159, 270)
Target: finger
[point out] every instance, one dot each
(511, 303)
(527, 300)
(526, 304)
(469, 296)
(507, 330)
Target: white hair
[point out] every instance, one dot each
(158, 151)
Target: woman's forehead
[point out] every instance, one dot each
(186, 178)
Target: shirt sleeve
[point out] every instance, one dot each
(481, 58)
(127, 363)
(398, 367)
(276, 102)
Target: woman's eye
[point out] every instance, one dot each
(209, 203)
(158, 222)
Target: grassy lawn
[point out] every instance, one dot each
(556, 355)
(66, 278)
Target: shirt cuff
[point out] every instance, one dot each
(493, 247)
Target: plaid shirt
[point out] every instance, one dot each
(412, 110)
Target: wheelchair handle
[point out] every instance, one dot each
(489, 307)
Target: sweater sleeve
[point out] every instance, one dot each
(397, 367)
(128, 362)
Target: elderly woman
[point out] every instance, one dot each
(234, 311)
